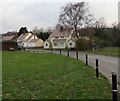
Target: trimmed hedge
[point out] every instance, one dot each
(83, 44)
(9, 45)
(9, 42)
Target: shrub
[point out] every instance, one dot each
(9, 42)
(83, 44)
(99, 42)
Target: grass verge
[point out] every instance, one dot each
(50, 76)
(108, 51)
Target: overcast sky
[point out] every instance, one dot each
(14, 14)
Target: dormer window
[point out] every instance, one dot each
(46, 44)
(62, 37)
(61, 28)
(56, 37)
(70, 44)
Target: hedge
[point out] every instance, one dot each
(83, 44)
(9, 42)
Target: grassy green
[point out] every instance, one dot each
(109, 51)
(50, 76)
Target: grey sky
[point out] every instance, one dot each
(45, 14)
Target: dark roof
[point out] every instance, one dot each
(86, 32)
(57, 32)
(8, 37)
(11, 34)
(47, 40)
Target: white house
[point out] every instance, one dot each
(60, 38)
(29, 40)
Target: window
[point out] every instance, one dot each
(61, 44)
(56, 37)
(55, 44)
(62, 37)
(46, 44)
(70, 44)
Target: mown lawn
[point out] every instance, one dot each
(50, 76)
(109, 51)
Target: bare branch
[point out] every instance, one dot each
(75, 16)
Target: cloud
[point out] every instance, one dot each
(30, 14)
(14, 15)
(108, 10)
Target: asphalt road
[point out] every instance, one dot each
(107, 64)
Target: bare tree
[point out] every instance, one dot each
(99, 27)
(37, 30)
(49, 29)
(116, 35)
(75, 16)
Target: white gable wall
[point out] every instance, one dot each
(26, 42)
(71, 44)
(27, 36)
(46, 45)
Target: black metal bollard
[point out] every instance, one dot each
(60, 51)
(97, 69)
(86, 59)
(77, 54)
(114, 86)
(68, 53)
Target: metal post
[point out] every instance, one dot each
(77, 54)
(68, 53)
(86, 59)
(60, 51)
(114, 86)
(97, 69)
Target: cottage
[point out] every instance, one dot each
(29, 40)
(61, 38)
